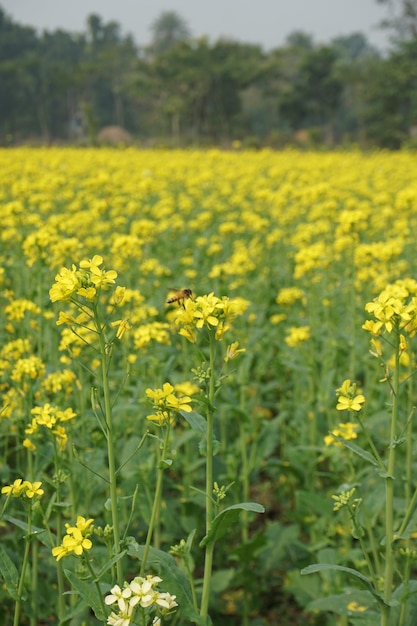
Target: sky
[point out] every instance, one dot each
(264, 22)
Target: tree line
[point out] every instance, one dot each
(180, 91)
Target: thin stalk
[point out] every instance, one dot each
(244, 460)
(96, 584)
(59, 565)
(110, 445)
(406, 581)
(245, 491)
(34, 584)
(192, 585)
(208, 562)
(389, 490)
(409, 500)
(157, 499)
(27, 538)
(358, 532)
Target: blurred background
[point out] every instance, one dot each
(235, 73)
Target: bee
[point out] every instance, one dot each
(179, 295)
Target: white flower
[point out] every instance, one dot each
(119, 596)
(166, 601)
(123, 619)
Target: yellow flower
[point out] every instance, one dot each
(166, 403)
(29, 445)
(122, 327)
(82, 524)
(178, 404)
(210, 312)
(354, 606)
(16, 489)
(347, 398)
(33, 489)
(89, 293)
(99, 277)
(297, 335)
(162, 418)
(393, 308)
(350, 404)
(66, 284)
(233, 351)
(23, 488)
(76, 539)
(61, 437)
(346, 431)
(186, 388)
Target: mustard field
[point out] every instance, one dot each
(207, 375)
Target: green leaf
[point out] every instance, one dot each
(196, 421)
(88, 592)
(174, 580)
(364, 454)
(339, 603)
(321, 567)
(109, 564)
(165, 464)
(10, 575)
(226, 518)
(198, 424)
(35, 530)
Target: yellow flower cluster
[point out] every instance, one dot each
(297, 335)
(76, 539)
(23, 488)
(84, 281)
(345, 430)
(166, 403)
(210, 312)
(394, 308)
(347, 397)
(51, 418)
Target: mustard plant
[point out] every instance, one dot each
(30, 494)
(83, 288)
(388, 453)
(213, 317)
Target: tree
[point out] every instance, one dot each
(196, 87)
(391, 97)
(402, 19)
(300, 40)
(168, 29)
(315, 94)
(353, 47)
(109, 63)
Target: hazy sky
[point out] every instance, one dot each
(266, 22)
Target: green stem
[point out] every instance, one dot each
(406, 581)
(27, 538)
(59, 565)
(245, 490)
(389, 489)
(208, 562)
(192, 585)
(408, 514)
(96, 584)
(157, 499)
(105, 359)
(34, 584)
(358, 532)
(245, 464)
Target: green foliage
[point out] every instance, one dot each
(184, 91)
